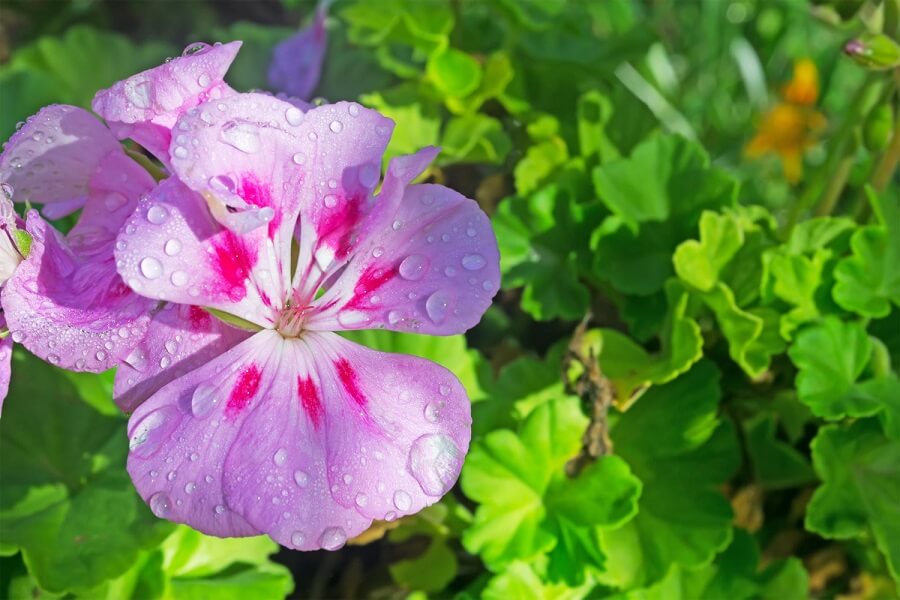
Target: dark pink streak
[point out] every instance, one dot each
(372, 278)
(243, 391)
(350, 381)
(310, 400)
(200, 319)
(254, 192)
(338, 224)
(232, 260)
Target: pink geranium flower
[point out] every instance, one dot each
(295, 431)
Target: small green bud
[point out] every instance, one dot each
(874, 51)
(878, 128)
(23, 242)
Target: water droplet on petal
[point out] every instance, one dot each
(390, 516)
(377, 252)
(336, 126)
(172, 475)
(353, 109)
(413, 267)
(434, 461)
(190, 487)
(171, 346)
(394, 317)
(348, 478)
(204, 80)
(349, 318)
(473, 262)
(437, 305)
(294, 116)
(298, 158)
(114, 201)
(179, 278)
(432, 412)
(297, 538)
(100, 355)
(241, 135)
(138, 92)
(402, 500)
(164, 362)
(157, 214)
(361, 499)
(204, 399)
(396, 225)
(486, 285)
(280, 457)
(172, 247)
(151, 268)
(196, 48)
(153, 430)
(301, 478)
(333, 538)
(330, 200)
(160, 505)
(219, 509)
(180, 152)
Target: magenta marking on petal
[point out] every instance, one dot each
(350, 382)
(254, 192)
(310, 400)
(339, 223)
(372, 278)
(200, 319)
(246, 387)
(233, 260)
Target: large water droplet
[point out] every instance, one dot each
(241, 135)
(178, 278)
(434, 462)
(349, 318)
(204, 399)
(196, 48)
(157, 215)
(294, 116)
(402, 500)
(394, 317)
(298, 158)
(413, 267)
(172, 247)
(190, 487)
(437, 306)
(138, 92)
(301, 478)
(280, 457)
(333, 538)
(151, 268)
(160, 505)
(473, 262)
(336, 126)
(432, 412)
(153, 430)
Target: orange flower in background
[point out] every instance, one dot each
(791, 126)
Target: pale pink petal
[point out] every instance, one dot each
(297, 61)
(253, 152)
(364, 435)
(172, 249)
(179, 439)
(69, 309)
(6, 346)
(306, 440)
(51, 159)
(180, 339)
(428, 262)
(145, 106)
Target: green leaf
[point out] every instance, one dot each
(422, 25)
(526, 504)
(96, 389)
(520, 581)
(66, 500)
(860, 471)
(435, 568)
(595, 111)
(776, 464)
(868, 281)
(453, 72)
(631, 369)
(541, 239)
(540, 162)
(666, 177)
(417, 118)
(675, 445)
(497, 75)
(475, 138)
(699, 263)
(831, 356)
(657, 196)
(70, 69)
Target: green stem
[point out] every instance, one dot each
(835, 186)
(858, 108)
(149, 165)
(888, 164)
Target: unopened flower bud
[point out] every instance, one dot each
(874, 51)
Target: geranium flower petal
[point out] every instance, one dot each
(179, 439)
(52, 158)
(180, 339)
(364, 435)
(428, 263)
(172, 249)
(308, 440)
(145, 106)
(297, 61)
(70, 309)
(6, 346)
